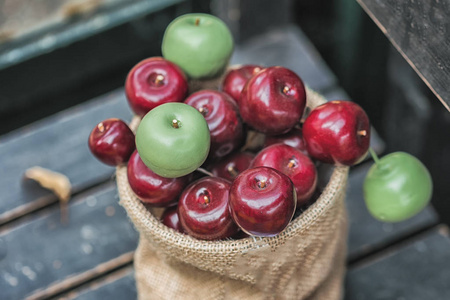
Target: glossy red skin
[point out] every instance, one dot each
(235, 80)
(331, 133)
(151, 188)
(262, 211)
(171, 220)
(303, 172)
(222, 115)
(207, 221)
(144, 94)
(237, 162)
(293, 138)
(265, 107)
(112, 142)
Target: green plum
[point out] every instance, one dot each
(173, 139)
(200, 44)
(397, 187)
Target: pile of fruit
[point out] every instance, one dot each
(194, 153)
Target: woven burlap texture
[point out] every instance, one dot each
(305, 261)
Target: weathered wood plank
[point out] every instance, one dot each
(42, 257)
(420, 30)
(58, 143)
(59, 23)
(418, 271)
(120, 285)
(366, 233)
(287, 47)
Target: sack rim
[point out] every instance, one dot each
(153, 229)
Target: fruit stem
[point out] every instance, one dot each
(374, 156)
(101, 127)
(159, 78)
(203, 111)
(197, 21)
(362, 132)
(206, 199)
(291, 163)
(232, 171)
(262, 184)
(285, 90)
(201, 170)
(175, 123)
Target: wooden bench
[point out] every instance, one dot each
(91, 256)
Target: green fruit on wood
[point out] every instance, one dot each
(397, 187)
(173, 139)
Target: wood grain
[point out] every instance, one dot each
(41, 257)
(420, 270)
(58, 143)
(420, 30)
(118, 285)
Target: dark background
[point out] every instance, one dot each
(406, 114)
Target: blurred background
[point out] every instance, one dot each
(55, 54)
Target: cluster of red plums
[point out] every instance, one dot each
(253, 192)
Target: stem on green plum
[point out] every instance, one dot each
(175, 123)
(374, 156)
(201, 170)
(197, 21)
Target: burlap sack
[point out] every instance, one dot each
(305, 261)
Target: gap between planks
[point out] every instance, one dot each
(19, 215)
(65, 286)
(98, 283)
(388, 249)
(116, 268)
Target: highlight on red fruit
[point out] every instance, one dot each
(151, 188)
(203, 209)
(273, 101)
(337, 132)
(236, 78)
(171, 220)
(112, 142)
(232, 165)
(262, 201)
(293, 138)
(293, 163)
(222, 116)
(152, 82)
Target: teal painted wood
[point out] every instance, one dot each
(418, 271)
(40, 253)
(59, 143)
(116, 286)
